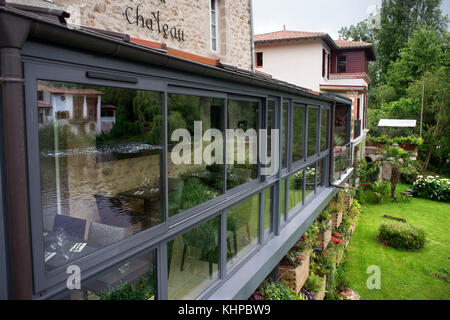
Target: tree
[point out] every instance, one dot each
(399, 19)
(396, 157)
(436, 117)
(425, 51)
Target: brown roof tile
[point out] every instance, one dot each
(288, 35)
(343, 44)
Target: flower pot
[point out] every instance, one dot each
(324, 237)
(321, 294)
(348, 200)
(336, 217)
(296, 277)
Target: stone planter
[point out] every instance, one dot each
(348, 200)
(295, 278)
(324, 237)
(321, 294)
(336, 217)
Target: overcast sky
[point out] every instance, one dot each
(313, 15)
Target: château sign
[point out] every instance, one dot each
(153, 22)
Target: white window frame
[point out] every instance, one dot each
(216, 36)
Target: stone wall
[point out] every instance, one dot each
(186, 19)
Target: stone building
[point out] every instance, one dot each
(218, 29)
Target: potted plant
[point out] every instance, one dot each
(315, 287)
(294, 268)
(337, 210)
(324, 234)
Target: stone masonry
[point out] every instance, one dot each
(187, 18)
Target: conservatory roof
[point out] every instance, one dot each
(399, 123)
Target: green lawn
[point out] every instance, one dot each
(404, 275)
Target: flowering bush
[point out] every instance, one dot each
(432, 187)
(336, 238)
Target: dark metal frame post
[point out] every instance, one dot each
(14, 33)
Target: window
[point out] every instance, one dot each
(295, 189)
(40, 95)
(341, 64)
(243, 117)
(134, 279)
(284, 131)
(313, 121)
(271, 108)
(324, 56)
(298, 135)
(62, 115)
(107, 113)
(268, 211)
(283, 201)
(242, 230)
(310, 180)
(259, 59)
(99, 189)
(193, 260)
(324, 129)
(214, 9)
(193, 182)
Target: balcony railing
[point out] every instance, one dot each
(357, 128)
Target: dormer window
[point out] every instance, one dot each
(341, 64)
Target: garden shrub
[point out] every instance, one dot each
(270, 290)
(402, 236)
(433, 188)
(314, 283)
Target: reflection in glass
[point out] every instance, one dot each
(100, 159)
(270, 125)
(321, 173)
(295, 189)
(283, 201)
(298, 135)
(324, 133)
(284, 131)
(133, 280)
(310, 180)
(268, 210)
(243, 115)
(192, 184)
(242, 230)
(313, 118)
(193, 260)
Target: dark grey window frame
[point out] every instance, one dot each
(48, 56)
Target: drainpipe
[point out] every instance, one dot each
(252, 40)
(14, 33)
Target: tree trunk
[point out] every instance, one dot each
(423, 99)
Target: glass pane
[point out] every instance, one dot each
(270, 125)
(243, 117)
(193, 261)
(268, 204)
(295, 189)
(310, 179)
(133, 280)
(100, 176)
(192, 181)
(213, 31)
(324, 133)
(284, 135)
(313, 118)
(214, 44)
(213, 4)
(321, 172)
(298, 136)
(242, 230)
(283, 201)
